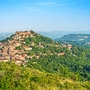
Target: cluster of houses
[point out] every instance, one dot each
(9, 52)
(69, 46)
(8, 49)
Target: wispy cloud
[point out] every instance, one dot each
(46, 3)
(32, 9)
(70, 3)
(55, 3)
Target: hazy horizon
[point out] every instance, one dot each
(51, 34)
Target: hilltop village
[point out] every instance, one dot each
(15, 47)
(30, 61)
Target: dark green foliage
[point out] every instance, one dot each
(19, 48)
(32, 31)
(37, 39)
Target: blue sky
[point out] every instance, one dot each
(44, 15)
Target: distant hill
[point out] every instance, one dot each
(75, 39)
(4, 35)
(58, 33)
(53, 34)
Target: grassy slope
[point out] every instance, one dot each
(13, 77)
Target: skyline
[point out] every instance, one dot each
(44, 15)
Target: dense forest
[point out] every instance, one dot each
(75, 66)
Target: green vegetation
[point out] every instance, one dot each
(37, 39)
(76, 40)
(19, 48)
(75, 62)
(13, 77)
(50, 66)
(74, 65)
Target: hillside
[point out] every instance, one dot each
(76, 39)
(13, 77)
(25, 45)
(48, 65)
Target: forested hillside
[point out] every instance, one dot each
(30, 61)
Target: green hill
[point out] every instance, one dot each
(30, 61)
(76, 39)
